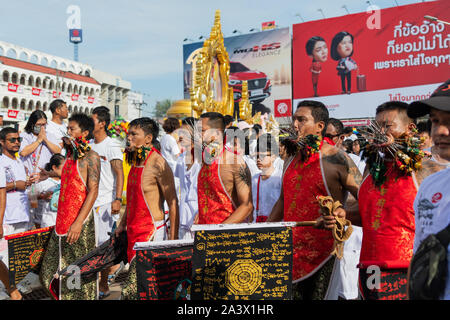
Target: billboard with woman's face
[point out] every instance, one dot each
(353, 65)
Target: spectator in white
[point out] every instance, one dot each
(36, 149)
(432, 203)
(16, 217)
(109, 201)
(49, 191)
(169, 144)
(13, 293)
(37, 145)
(56, 126)
(186, 171)
(266, 185)
(356, 154)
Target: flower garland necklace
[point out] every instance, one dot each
(78, 148)
(136, 156)
(305, 146)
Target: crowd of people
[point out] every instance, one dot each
(214, 170)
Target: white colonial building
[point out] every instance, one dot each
(30, 80)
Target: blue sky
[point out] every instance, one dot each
(142, 40)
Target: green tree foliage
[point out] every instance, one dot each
(161, 108)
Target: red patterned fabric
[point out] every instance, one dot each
(140, 222)
(387, 217)
(214, 204)
(302, 183)
(71, 197)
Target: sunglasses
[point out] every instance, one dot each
(12, 140)
(331, 136)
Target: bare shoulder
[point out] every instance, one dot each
(335, 156)
(428, 168)
(91, 159)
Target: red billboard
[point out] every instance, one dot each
(355, 62)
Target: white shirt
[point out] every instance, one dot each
(269, 192)
(432, 212)
(108, 150)
(57, 130)
(188, 190)
(48, 216)
(2, 179)
(251, 165)
(361, 164)
(169, 150)
(17, 203)
(40, 156)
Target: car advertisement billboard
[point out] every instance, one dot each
(355, 62)
(261, 58)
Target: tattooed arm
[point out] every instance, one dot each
(117, 168)
(166, 182)
(242, 180)
(428, 168)
(348, 179)
(91, 165)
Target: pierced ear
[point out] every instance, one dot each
(412, 128)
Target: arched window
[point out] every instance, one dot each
(91, 93)
(38, 105)
(63, 87)
(75, 109)
(5, 102)
(6, 76)
(44, 107)
(31, 81)
(23, 56)
(2, 51)
(11, 54)
(23, 103)
(70, 108)
(34, 59)
(38, 82)
(54, 64)
(14, 103)
(15, 78)
(75, 89)
(23, 79)
(30, 105)
(86, 91)
(44, 62)
(69, 88)
(86, 110)
(63, 66)
(87, 73)
(80, 90)
(52, 85)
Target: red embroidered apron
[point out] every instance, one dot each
(387, 217)
(302, 183)
(140, 222)
(214, 204)
(71, 197)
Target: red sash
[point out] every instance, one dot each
(214, 204)
(302, 183)
(140, 223)
(387, 217)
(71, 197)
